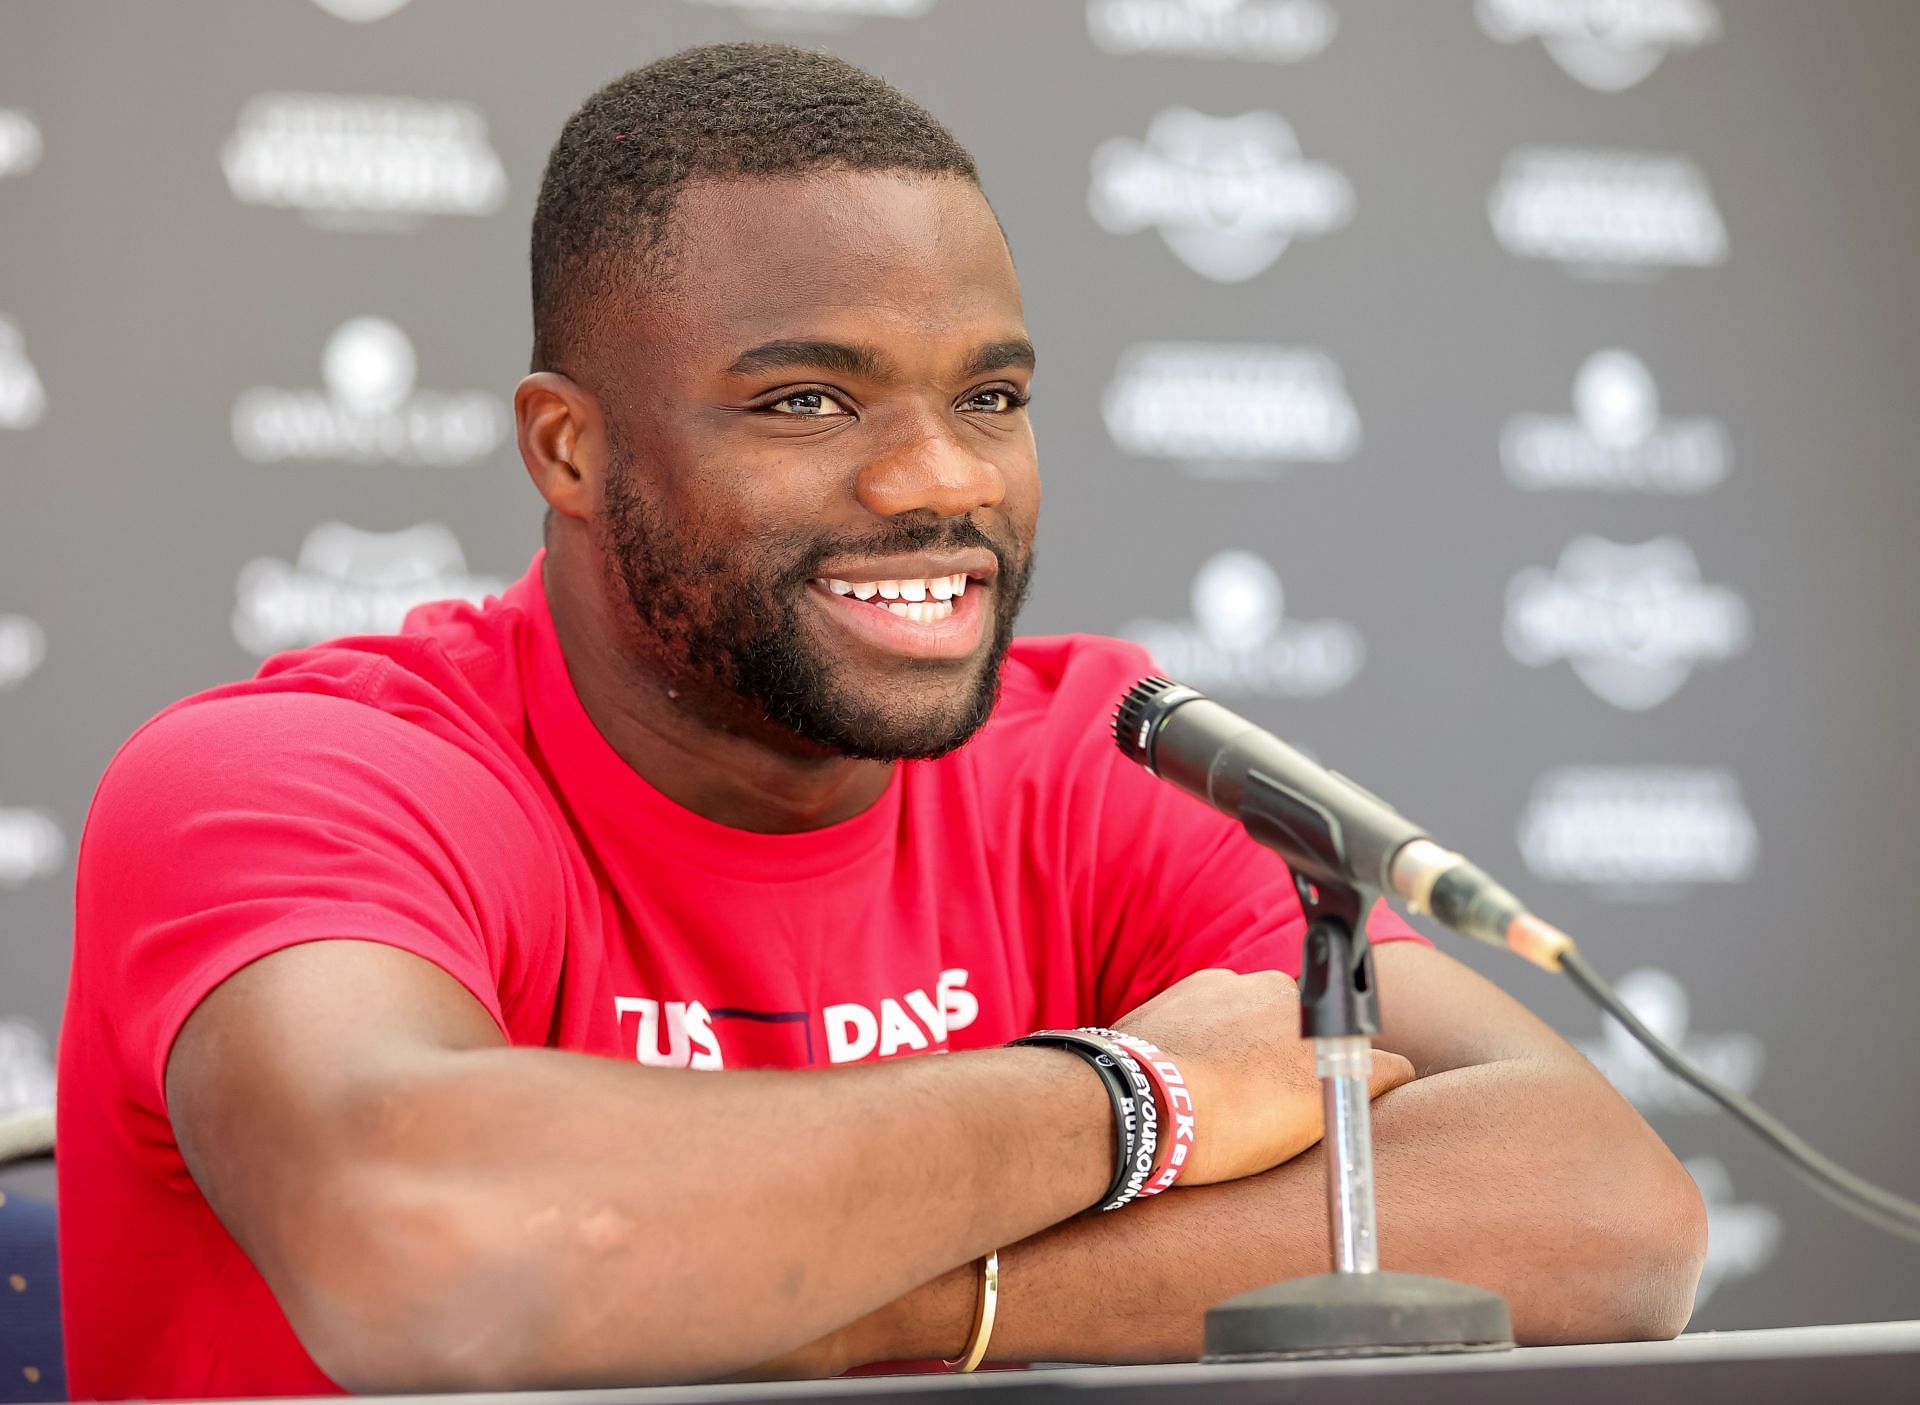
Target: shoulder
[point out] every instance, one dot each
(1066, 681)
(1051, 734)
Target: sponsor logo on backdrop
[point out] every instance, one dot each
(1227, 410)
(1633, 621)
(1617, 441)
(361, 11)
(801, 11)
(1660, 1003)
(1273, 31)
(1638, 831)
(31, 846)
(22, 398)
(352, 162)
(19, 142)
(1607, 213)
(23, 647)
(370, 411)
(1240, 643)
(347, 581)
(1741, 1239)
(1609, 45)
(26, 1069)
(1228, 194)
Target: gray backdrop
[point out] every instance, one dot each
(1513, 402)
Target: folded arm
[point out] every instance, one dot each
(1508, 1163)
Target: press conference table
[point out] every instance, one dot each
(1875, 1363)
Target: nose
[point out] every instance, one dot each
(929, 472)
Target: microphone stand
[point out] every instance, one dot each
(1357, 1309)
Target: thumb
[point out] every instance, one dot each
(1389, 1071)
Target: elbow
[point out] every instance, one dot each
(402, 1288)
(1664, 1253)
(1645, 1245)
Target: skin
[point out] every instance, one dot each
(493, 1216)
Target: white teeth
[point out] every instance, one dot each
(913, 590)
(839, 587)
(866, 590)
(898, 609)
(959, 584)
(890, 590)
(941, 587)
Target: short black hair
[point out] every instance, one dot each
(719, 110)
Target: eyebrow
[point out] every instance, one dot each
(868, 362)
(842, 358)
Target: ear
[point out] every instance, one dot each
(563, 442)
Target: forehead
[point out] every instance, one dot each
(888, 252)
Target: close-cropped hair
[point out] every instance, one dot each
(602, 222)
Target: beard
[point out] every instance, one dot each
(727, 621)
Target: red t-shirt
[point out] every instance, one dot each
(442, 790)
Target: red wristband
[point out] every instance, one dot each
(1175, 1099)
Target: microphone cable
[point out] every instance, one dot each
(1880, 1208)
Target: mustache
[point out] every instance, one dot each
(904, 536)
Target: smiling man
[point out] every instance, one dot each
(527, 998)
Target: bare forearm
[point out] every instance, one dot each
(1531, 1182)
(682, 1224)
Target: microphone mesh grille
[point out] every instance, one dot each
(1133, 717)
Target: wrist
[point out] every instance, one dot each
(930, 1323)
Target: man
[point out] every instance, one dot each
(745, 780)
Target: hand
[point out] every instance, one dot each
(1255, 1094)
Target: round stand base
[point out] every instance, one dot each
(1357, 1314)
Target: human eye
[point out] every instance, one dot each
(807, 404)
(995, 400)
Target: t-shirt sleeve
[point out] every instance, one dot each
(234, 827)
(1175, 886)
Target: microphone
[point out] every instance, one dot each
(1328, 828)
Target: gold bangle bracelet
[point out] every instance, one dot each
(983, 1311)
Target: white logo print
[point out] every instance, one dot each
(1617, 441)
(914, 1023)
(1228, 194)
(1638, 830)
(19, 142)
(350, 582)
(23, 645)
(1276, 31)
(1240, 642)
(1741, 1239)
(1609, 45)
(1231, 411)
(370, 411)
(31, 846)
(1634, 621)
(686, 1025)
(22, 398)
(26, 1070)
(1660, 1003)
(363, 163)
(1607, 212)
(360, 11)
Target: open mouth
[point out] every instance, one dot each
(924, 601)
(942, 616)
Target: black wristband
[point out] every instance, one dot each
(1126, 1119)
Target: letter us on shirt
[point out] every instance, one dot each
(695, 1034)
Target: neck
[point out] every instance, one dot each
(726, 775)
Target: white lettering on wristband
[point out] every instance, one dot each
(1180, 1108)
(1146, 1146)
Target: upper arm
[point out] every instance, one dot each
(286, 1075)
(1440, 1014)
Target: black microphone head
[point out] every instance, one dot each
(1140, 712)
